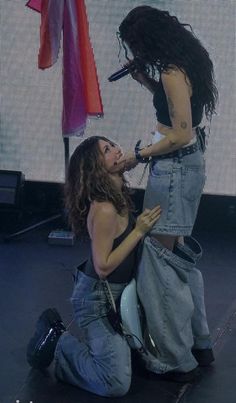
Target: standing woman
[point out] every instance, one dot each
(172, 63)
(98, 202)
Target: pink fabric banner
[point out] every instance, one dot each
(81, 93)
(34, 4)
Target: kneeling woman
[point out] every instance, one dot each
(98, 201)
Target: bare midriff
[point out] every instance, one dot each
(164, 129)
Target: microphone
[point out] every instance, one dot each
(123, 72)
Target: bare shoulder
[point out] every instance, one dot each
(172, 73)
(173, 77)
(101, 215)
(104, 207)
(102, 211)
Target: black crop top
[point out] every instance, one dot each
(162, 111)
(125, 271)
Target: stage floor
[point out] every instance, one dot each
(35, 275)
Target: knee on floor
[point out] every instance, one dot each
(117, 387)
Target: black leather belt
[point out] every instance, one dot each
(178, 153)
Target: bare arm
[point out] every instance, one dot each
(103, 232)
(177, 92)
(178, 97)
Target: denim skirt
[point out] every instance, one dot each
(176, 184)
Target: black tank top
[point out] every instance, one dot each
(162, 111)
(126, 270)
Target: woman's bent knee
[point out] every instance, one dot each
(117, 387)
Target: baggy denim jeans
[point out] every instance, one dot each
(200, 327)
(100, 359)
(164, 291)
(176, 184)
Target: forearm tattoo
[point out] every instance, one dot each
(183, 125)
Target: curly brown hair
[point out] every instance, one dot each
(87, 180)
(159, 40)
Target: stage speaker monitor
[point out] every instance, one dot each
(11, 188)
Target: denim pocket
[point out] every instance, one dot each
(87, 300)
(160, 181)
(193, 179)
(88, 309)
(162, 168)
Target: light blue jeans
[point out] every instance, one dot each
(176, 184)
(170, 289)
(99, 360)
(169, 285)
(200, 329)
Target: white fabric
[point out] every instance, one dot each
(157, 136)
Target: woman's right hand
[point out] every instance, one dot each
(144, 79)
(136, 72)
(147, 219)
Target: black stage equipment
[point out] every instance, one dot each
(11, 201)
(11, 190)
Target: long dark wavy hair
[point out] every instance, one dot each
(88, 180)
(159, 41)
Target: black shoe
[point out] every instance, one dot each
(182, 377)
(41, 348)
(204, 356)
